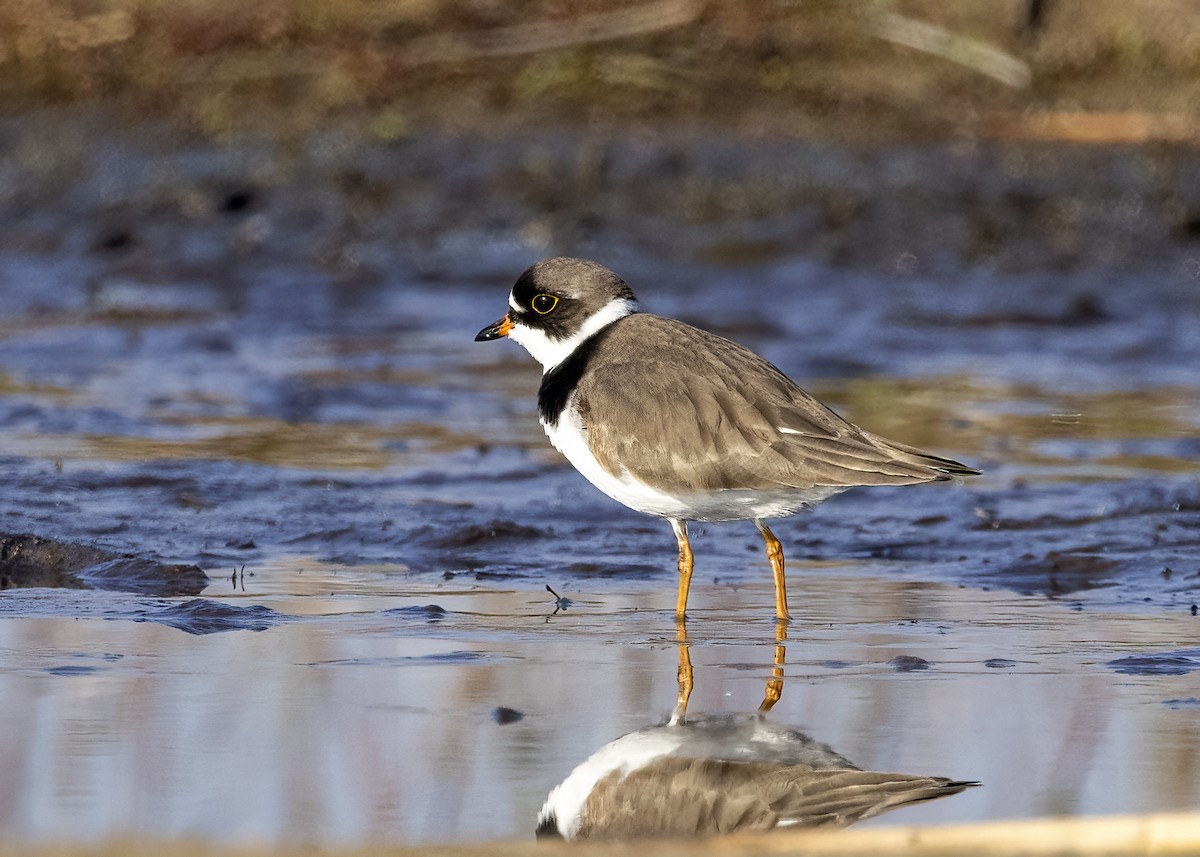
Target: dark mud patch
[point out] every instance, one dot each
(28, 561)
(504, 715)
(482, 576)
(323, 537)
(426, 612)
(999, 663)
(475, 535)
(1168, 663)
(620, 570)
(908, 663)
(73, 669)
(741, 666)
(145, 577)
(1060, 573)
(203, 616)
(443, 658)
(459, 657)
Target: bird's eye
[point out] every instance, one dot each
(543, 303)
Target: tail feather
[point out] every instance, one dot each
(946, 468)
(843, 797)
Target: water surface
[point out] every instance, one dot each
(217, 391)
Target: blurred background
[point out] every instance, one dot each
(566, 126)
(244, 251)
(874, 70)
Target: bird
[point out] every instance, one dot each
(682, 424)
(722, 774)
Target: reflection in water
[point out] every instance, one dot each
(108, 724)
(723, 774)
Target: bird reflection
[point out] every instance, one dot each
(708, 775)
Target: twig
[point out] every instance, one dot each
(551, 35)
(971, 53)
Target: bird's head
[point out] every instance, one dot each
(557, 304)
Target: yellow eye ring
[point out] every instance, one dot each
(543, 303)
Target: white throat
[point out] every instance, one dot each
(550, 352)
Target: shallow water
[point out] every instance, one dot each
(349, 722)
(384, 485)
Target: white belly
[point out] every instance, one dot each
(570, 438)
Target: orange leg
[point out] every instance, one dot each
(683, 676)
(686, 563)
(775, 555)
(774, 688)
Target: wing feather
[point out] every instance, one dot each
(691, 411)
(679, 796)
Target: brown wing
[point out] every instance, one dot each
(692, 411)
(699, 797)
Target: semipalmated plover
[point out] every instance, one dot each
(683, 424)
(722, 774)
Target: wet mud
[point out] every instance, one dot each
(202, 616)
(34, 562)
(1170, 663)
(251, 376)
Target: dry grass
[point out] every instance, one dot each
(823, 67)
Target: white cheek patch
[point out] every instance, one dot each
(550, 352)
(537, 343)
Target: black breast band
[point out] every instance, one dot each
(558, 385)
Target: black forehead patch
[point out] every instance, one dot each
(524, 290)
(566, 318)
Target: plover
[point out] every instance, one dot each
(680, 423)
(722, 774)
